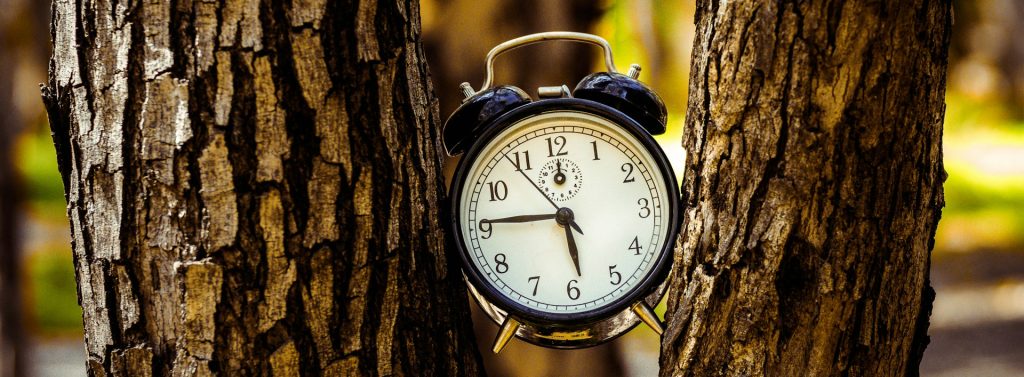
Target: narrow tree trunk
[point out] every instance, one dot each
(254, 188)
(813, 187)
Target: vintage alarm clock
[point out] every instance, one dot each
(565, 210)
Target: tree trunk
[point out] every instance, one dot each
(254, 188)
(813, 189)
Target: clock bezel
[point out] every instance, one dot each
(647, 284)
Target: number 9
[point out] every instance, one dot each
(485, 227)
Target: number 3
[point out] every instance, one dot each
(645, 209)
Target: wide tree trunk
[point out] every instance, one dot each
(813, 188)
(253, 188)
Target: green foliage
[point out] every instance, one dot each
(968, 190)
(984, 158)
(37, 163)
(52, 291)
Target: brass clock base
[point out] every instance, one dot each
(569, 336)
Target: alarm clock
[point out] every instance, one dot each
(564, 209)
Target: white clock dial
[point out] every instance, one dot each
(567, 160)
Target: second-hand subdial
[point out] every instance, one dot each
(560, 179)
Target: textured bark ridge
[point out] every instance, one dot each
(253, 188)
(813, 188)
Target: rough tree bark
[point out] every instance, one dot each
(253, 189)
(813, 188)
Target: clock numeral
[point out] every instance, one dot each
(484, 227)
(635, 245)
(645, 208)
(573, 292)
(594, 143)
(628, 169)
(499, 190)
(536, 282)
(526, 157)
(615, 275)
(560, 143)
(501, 266)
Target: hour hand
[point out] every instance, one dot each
(519, 219)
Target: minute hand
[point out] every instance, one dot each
(520, 219)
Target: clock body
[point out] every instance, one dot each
(565, 213)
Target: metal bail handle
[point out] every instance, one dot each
(542, 37)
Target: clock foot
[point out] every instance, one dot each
(508, 330)
(647, 315)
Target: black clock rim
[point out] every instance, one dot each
(647, 284)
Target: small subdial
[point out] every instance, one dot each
(560, 179)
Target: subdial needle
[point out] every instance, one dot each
(559, 176)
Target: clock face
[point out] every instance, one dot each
(564, 213)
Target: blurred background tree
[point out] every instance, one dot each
(458, 33)
(978, 262)
(23, 27)
(988, 53)
(11, 336)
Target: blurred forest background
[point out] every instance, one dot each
(977, 264)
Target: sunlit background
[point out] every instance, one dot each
(977, 265)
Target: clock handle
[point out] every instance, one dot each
(609, 62)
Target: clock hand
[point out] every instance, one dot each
(532, 184)
(566, 219)
(575, 226)
(519, 219)
(573, 252)
(559, 176)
